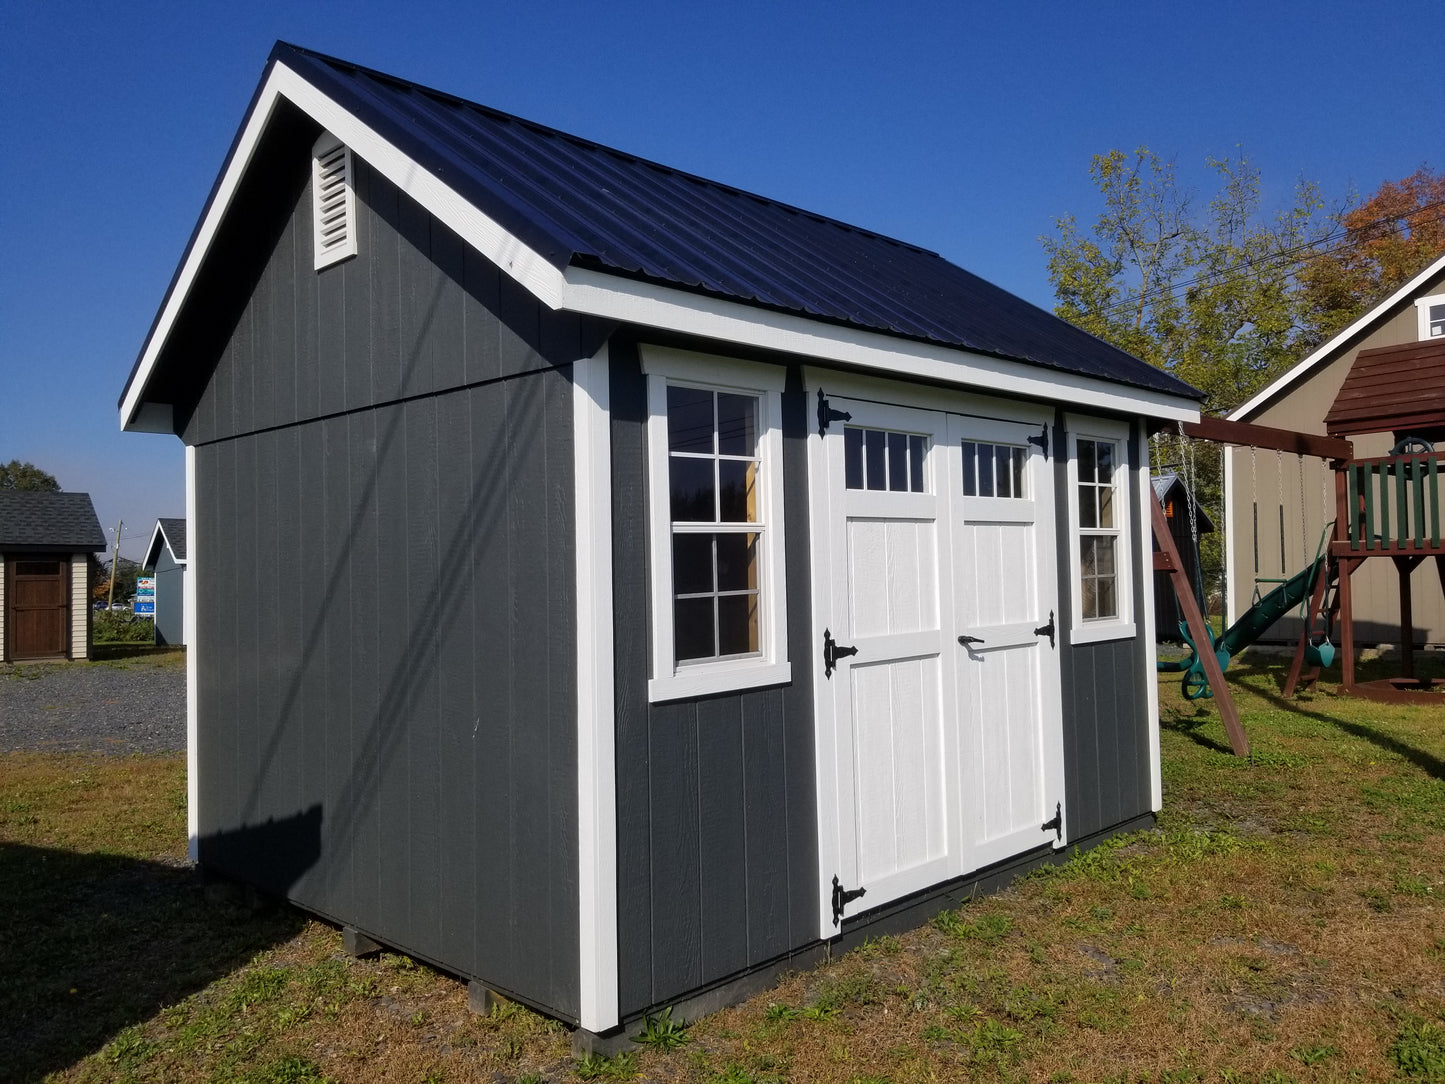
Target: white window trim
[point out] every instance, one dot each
(1123, 626)
(671, 681)
(1422, 315)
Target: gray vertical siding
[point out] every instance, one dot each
(1106, 735)
(385, 527)
(717, 835)
(170, 599)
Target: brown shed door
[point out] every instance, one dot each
(37, 594)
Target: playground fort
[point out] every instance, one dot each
(1384, 507)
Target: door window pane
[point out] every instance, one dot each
(994, 470)
(884, 460)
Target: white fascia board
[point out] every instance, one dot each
(627, 300)
(1242, 413)
(152, 554)
(479, 230)
(596, 704)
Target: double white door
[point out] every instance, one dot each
(939, 737)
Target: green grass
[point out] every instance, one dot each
(1281, 923)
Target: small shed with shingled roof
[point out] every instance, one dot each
(46, 541)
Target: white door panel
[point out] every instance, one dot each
(934, 758)
(1006, 599)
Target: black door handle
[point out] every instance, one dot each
(966, 640)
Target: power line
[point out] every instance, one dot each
(1289, 255)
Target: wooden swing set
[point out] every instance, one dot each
(1387, 506)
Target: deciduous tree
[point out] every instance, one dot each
(1209, 295)
(1389, 238)
(27, 476)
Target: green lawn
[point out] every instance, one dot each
(1282, 923)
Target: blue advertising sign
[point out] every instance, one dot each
(145, 597)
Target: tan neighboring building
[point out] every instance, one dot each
(1276, 506)
(46, 540)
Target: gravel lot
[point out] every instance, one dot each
(134, 705)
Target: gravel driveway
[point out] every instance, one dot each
(125, 706)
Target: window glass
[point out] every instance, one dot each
(737, 424)
(694, 489)
(689, 420)
(1437, 320)
(994, 470)
(853, 457)
(1098, 525)
(875, 456)
(884, 459)
(713, 480)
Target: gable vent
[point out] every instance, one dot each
(333, 201)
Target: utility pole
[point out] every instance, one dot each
(115, 560)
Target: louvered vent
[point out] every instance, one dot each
(333, 201)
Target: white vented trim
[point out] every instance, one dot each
(333, 201)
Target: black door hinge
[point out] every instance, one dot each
(1056, 825)
(842, 897)
(1047, 630)
(1042, 441)
(832, 653)
(827, 414)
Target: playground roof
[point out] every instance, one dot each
(1392, 389)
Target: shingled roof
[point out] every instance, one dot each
(168, 532)
(49, 521)
(556, 209)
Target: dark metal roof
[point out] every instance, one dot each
(52, 521)
(581, 204)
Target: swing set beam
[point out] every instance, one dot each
(1248, 434)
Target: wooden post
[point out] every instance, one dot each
(1317, 603)
(1405, 566)
(1343, 518)
(1198, 630)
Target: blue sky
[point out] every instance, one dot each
(963, 127)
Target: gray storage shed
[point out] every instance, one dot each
(612, 586)
(166, 559)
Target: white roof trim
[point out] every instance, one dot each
(617, 298)
(610, 296)
(1287, 378)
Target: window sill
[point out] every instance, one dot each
(1104, 630)
(709, 680)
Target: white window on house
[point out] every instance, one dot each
(333, 201)
(1431, 311)
(715, 524)
(1101, 554)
